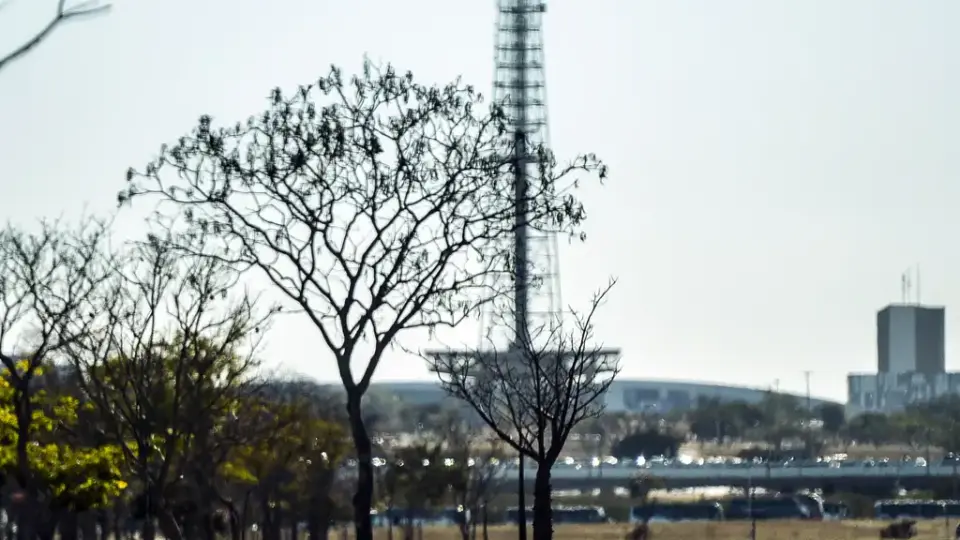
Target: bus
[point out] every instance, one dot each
(677, 511)
(566, 514)
(835, 511)
(915, 509)
(805, 506)
(422, 517)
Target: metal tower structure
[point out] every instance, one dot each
(520, 85)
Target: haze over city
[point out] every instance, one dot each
(775, 166)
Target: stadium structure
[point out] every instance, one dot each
(624, 395)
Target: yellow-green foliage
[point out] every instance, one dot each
(293, 445)
(73, 475)
(184, 392)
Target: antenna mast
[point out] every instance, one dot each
(918, 283)
(905, 287)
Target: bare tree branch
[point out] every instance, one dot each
(173, 349)
(533, 396)
(46, 278)
(63, 15)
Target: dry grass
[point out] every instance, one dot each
(773, 530)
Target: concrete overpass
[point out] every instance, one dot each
(773, 476)
(846, 477)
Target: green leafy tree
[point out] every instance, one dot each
(171, 354)
(833, 417)
(69, 475)
(783, 418)
(873, 428)
(647, 443)
(714, 418)
(46, 278)
(419, 478)
(377, 205)
(937, 421)
(288, 463)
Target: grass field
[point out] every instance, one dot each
(773, 530)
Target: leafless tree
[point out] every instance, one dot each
(480, 463)
(535, 394)
(65, 13)
(381, 211)
(46, 278)
(172, 349)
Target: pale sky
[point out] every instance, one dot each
(775, 164)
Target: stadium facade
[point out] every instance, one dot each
(624, 395)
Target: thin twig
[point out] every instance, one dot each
(64, 14)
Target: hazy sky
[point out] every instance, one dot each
(775, 164)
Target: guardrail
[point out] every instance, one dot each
(739, 472)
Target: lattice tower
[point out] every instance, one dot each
(520, 85)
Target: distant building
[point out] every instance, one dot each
(910, 339)
(911, 361)
(891, 392)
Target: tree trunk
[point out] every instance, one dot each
(269, 520)
(318, 519)
(169, 526)
(148, 529)
(115, 521)
(46, 529)
(522, 499)
(245, 515)
(87, 524)
(464, 523)
(233, 519)
(542, 509)
(363, 498)
(27, 518)
(486, 524)
(69, 526)
(28, 506)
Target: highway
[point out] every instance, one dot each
(840, 475)
(737, 473)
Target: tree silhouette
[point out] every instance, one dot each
(381, 211)
(533, 396)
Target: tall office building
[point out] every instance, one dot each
(911, 362)
(910, 339)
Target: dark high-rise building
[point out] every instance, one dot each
(911, 339)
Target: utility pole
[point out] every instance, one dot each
(808, 427)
